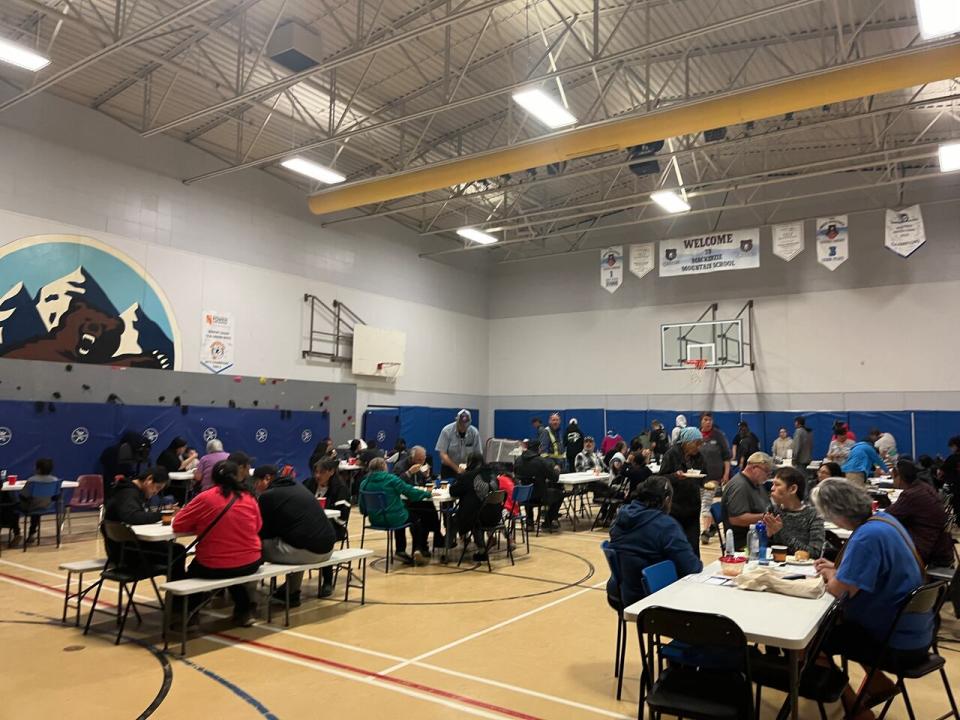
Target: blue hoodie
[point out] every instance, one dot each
(642, 536)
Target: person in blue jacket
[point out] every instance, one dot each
(863, 460)
(644, 534)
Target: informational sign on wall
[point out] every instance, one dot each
(642, 258)
(216, 344)
(611, 268)
(833, 241)
(904, 230)
(731, 250)
(788, 240)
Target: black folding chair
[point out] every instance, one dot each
(490, 530)
(615, 497)
(689, 691)
(927, 598)
(126, 567)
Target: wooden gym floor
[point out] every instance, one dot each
(531, 641)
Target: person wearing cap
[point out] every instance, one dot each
(457, 442)
(551, 441)
(588, 459)
(675, 433)
(244, 464)
(745, 498)
(683, 457)
(573, 443)
(295, 529)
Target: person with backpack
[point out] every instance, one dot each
(573, 443)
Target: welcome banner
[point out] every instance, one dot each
(733, 250)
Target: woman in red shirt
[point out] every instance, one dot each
(231, 548)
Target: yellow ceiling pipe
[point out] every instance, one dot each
(822, 88)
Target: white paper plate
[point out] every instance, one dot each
(791, 560)
(694, 474)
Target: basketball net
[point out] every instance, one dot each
(699, 368)
(389, 370)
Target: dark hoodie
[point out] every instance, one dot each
(642, 536)
(573, 442)
(532, 468)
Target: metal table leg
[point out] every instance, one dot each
(793, 663)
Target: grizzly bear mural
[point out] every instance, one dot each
(71, 317)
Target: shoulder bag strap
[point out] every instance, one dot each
(208, 528)
(906, 538)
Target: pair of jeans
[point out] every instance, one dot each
(275, 550)
(242, 594)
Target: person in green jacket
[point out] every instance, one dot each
(396, 512)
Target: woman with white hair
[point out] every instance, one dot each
(876, 570)
(203, 472)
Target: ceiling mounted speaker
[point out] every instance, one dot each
(295, 47)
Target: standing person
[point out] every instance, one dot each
(682, 457)
(202, 475)
(588, 459)
(395, 512)
(229, 515)
(675, 433)
(782, 446)
(573, 443)
(456, 443)
(920, 510)
(716, 464)
(551, 441)
(745, 499)
(745, 444)
(862, 461)
(886, 445)
(950, 473)
(840, 444)
(802, 443)
(659, 442)
(295, 529)
(793, 522)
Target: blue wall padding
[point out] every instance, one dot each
(35, 431)
(422, 426)
(382, 425)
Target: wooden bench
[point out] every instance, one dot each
(80, 567)
(267, 571)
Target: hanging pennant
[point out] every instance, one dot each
(642, 258)
(833, 241)
(611, 268)
(788, 240)
(904, 230)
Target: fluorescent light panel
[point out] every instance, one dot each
(670, 201)
(544, 108)
(949, 157)
(478, 237)
(938, 18)
(23, 57)
(313, 170)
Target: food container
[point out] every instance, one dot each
(166, 516)
(779, 552)
(732, 566)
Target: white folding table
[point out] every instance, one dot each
(577, 485)
(777, 620)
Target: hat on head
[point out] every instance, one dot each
(263, 470)
(689, 434)
(573, 421)
(464, 415)
(760, 458)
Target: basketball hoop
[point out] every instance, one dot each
(699, 367)
(389, 370)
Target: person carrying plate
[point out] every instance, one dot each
(680, 461)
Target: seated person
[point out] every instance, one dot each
(588, 459)
(533, 469)
(326, 483)
(685, 507)
(244, 467)
(471, 488)
(177, 458)
(745, 499)
(204, 470)
(395, 512)
(876, 570)
(829, 470)
(42, 473)
(506, 483)
(793, 522)
(644, 534)
(295, 529)
(128, 504)
(636, 471)
(920, 510)
(413, 467)
(231, 547)
(620, 447)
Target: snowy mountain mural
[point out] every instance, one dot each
(71, 317)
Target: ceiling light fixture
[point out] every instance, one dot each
(949, 157)
(23, 57)
(938, 18)
(670, 201)
(478, 237)
(313, 170)
(544, 108)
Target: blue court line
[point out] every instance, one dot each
(236, 690)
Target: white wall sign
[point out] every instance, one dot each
(904, 230)
(216, 344)
(642, 258)
(788, 240)
(611, 268)
(833, 246)
(733, 250)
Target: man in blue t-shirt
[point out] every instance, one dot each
(862, 460)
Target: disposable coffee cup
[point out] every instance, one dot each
(779, 552)
(166, 516)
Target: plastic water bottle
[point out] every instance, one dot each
(753, 544)
(730, 549)
(762, 543)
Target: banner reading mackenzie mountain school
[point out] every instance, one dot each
(733, 250)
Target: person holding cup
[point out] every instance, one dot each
(413, 467)
(793, 523)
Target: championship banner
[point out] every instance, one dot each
(788, 240)
(735, 250)
(904, 230)
(642, 258)
(216, 344)
(833, 246)
(611, 268)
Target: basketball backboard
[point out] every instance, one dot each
(719, 343)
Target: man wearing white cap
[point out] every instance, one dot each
(457, 442)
